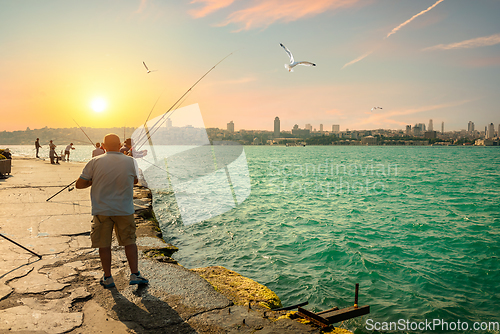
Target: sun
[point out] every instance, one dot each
(98, 104)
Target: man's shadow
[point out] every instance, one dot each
(156, 316)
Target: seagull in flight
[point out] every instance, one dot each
(374, 108)
(294, 63)
(147, 69)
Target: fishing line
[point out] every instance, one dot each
(141, 141)
(84, 132)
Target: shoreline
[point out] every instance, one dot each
(251, 292)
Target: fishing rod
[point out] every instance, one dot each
(57, 193)
(149, 115)
(15, 243)
(84, 132)
(141, 141)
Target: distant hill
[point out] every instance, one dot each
(61, 136)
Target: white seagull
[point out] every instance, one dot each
(147, 69)
(294, 63)
(376, 108)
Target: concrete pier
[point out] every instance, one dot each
(60, 293)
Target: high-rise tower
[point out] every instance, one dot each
(470, 127)
(276, 127)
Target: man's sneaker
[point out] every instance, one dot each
(137, 279)
(107, 282)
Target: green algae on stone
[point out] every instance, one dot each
(239, 289)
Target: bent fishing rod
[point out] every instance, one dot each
(141, 141)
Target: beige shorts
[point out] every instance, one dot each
(102, 230)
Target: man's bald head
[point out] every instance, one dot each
(112, 142)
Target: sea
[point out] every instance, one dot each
(418, 228)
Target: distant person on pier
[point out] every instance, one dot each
(112, 177)
(98, 150)
(128, 149)
(66, 151)
(53, 154)
(37, 146)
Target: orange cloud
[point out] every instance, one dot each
(263, 13)
(468, 44)
(377, 118)
(357, 59)
(210, 7)
(393, 31)
(141, 6)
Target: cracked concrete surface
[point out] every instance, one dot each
(60, 293)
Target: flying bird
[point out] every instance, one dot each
(147, 69)
(376, 108)
(294, 63)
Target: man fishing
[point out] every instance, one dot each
(67, 151)
(112, 177)
(52, 153)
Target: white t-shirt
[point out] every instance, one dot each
(112, 175)
(69, 147)
(97, 151)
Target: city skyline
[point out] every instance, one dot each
(416, 60)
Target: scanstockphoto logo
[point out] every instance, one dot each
(173, 153)
(329, 178)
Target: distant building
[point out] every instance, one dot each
(309, 127)
(230, 127)
(491, 131)
(418, 129)
(295, 127)
(335, 128)
(169, 123)
(369, 140)
(431, 126)
(321, 128)
(276, 127)
(498, 132)
(302, 133)
(408, 130)
(442, 128)
(486, 142)
(470, 127)
(430, 134)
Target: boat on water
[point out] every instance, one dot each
(295, 144)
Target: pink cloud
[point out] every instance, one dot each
(263, 13)
(141, 6)
(210, 6)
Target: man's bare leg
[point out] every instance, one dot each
(132, 257)
(105, 255)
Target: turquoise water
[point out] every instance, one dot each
(420, 231)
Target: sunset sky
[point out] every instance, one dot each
(417, 59)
